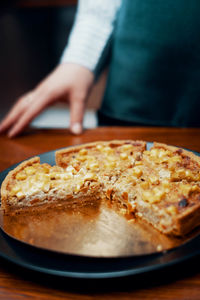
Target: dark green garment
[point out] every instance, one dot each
(154, 75)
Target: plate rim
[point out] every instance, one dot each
(98, 275)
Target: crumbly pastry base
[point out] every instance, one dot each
(160, 186)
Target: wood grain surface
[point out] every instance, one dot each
(181, 281)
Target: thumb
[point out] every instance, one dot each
(77, 108)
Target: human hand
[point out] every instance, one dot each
(68, 82)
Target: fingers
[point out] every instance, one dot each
(31, 104)
(69, 81)
(77, 107)
(15, 112)
(31, 111)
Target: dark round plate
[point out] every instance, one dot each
(73, 266)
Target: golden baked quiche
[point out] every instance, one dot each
(160, 185)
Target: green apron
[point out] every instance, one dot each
(154, 74)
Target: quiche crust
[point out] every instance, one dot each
(161, 185)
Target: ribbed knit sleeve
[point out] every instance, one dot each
(91, 31)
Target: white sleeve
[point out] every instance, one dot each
(91, 31)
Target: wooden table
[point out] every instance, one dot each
(177, 282)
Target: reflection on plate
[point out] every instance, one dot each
(92, 229)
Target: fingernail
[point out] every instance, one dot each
(76, 128)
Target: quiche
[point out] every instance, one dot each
(160, 186)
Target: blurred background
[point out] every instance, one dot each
(33, 34)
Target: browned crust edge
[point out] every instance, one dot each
(72, 204)
(187, 221)
(11, 176)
